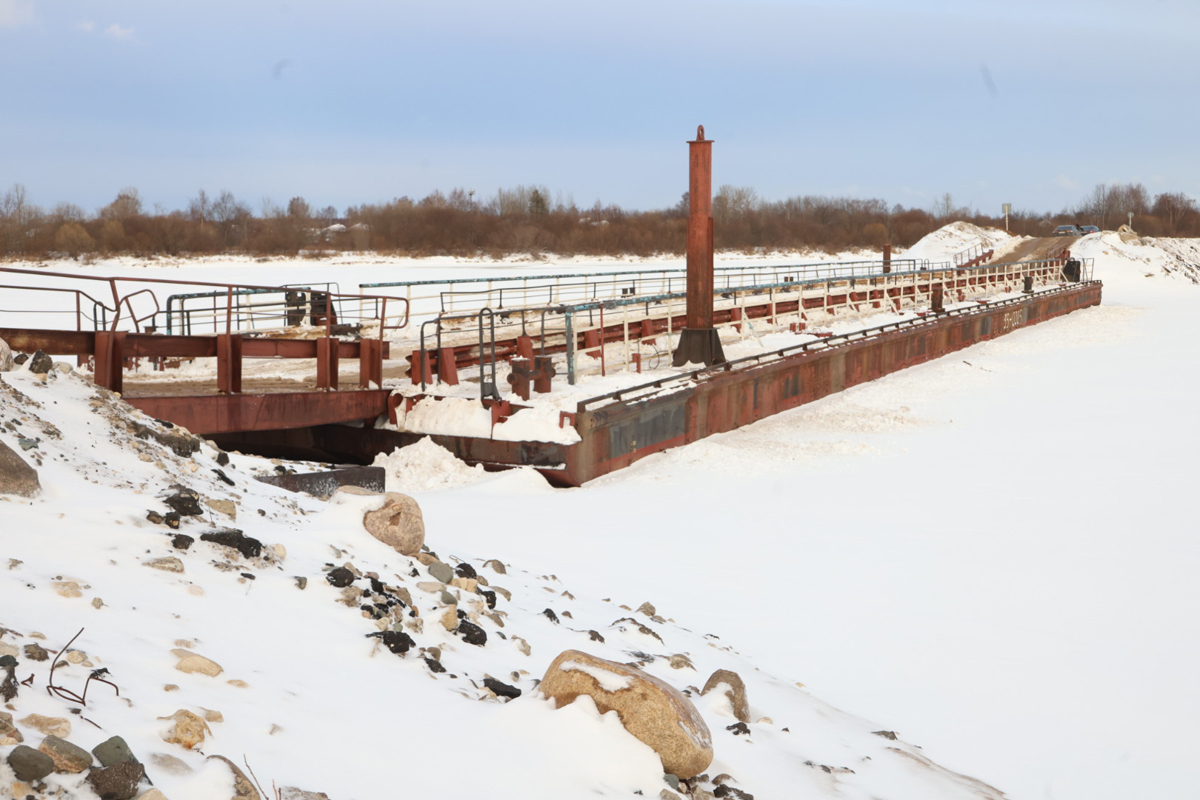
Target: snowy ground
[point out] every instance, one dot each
(993, 555)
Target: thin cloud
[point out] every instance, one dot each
(15, 13)
(86, 27)
(117, 32)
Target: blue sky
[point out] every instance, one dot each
(1032, 103)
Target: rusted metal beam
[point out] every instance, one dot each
(264, 412)
(58, 343)
(699, 342)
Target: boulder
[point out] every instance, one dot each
(654, 712)
(731, 684)
(6, 357)
(397, 523)
(40, 363)
(113, 751)
(17, 477)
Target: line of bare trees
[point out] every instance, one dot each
(528, 219)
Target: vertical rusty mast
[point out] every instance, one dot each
(698, 341)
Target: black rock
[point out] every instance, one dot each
(20, 358)
(434, 665)
(726, 790)
(172, 520)
(223, 459)
(596, 637)
(490, 597)
(398, 642)
(465, 570)
(502, 689)
(472, 633)
(184, 502)
(112, 751)
(739, 729)
(8, 661)
(231, 537)
(886, 734)
(550, 615)
(182, 444)
(340, 577)
(181, 541)
(117, 782)
(29, 764)
(225, 478)
(40, 363)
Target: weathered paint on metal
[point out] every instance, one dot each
(245, 412)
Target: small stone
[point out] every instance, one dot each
(472, 633)
(501, 689)
(238, 683)
(68, 758)
(450, 619)
(40, 363)
(505, 593)
(35, 652)
(734, 688)
(426, 558)
(76, 657)
(681, 661)
(8, 731)
(29, 764)
(181, 541)
(886, 734)
(301, 582)
(190, 662)
(226, 507)
(441, 571)
(187, 731)
(97, 602)
(667, 794)
(112, 751)
(448, 599)
(170, 764)
(117, 782)
(48, 726)
(464, 570)
(466, 584)
(235, 540)
(647, 609)
(154, 517)
(550, 615)
(292, 793)
(212, 716)
(739, 729)
(67, 588)
(340, 577)
(184, 502)
(595, 636)
(495, 566)
(672, 780)
(522, 645)
(171, 687)
(166, 564)
(153, 794)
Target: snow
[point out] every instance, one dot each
(993, 555)
(608, 681)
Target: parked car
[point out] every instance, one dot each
(1068, 230)
(1089, 229)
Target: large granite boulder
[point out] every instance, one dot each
(395, 519)
(651, 710)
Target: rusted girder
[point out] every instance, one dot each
(206, 414)
(698, 341)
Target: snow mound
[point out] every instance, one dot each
(949, 240)
(425, 466)
(1145, 257)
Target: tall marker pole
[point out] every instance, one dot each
(698, 341)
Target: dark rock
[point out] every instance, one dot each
(35, 652)
(886, 734)
(222, 459)
(17, 477)
(40, 363)
(231, 537)
(172, 520)
(550, 615)
(154, 517)
(739, 729)
(119, 781)
(184, 502)
(465, 570)
(20, 358)
(340, 577)
(181, 444)
(112, 751)
(596, 637)
(725, 790)
(397, 642)
(224, 478)
(502, 689)
(8, 661)
(181, 541)
(301, 582)
(472, 633)
(434, 665)
(490, 597)
(29, 764)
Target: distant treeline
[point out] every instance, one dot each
(528, 220)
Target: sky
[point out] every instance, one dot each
(1022, 102)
